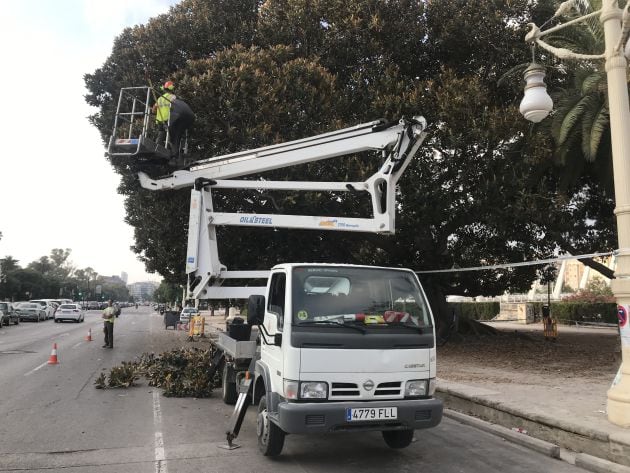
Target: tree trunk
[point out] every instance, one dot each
(448, 324)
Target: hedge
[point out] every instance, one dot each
(563, 312)
(476, 310)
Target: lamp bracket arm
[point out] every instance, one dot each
(535, 33)
(563, 53)
(625, 32)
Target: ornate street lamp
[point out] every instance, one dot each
(537, 104)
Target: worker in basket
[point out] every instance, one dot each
(174, 116)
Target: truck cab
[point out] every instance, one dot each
(343, 348)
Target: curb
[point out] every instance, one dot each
(599, 465)
(525, 440)
(597, 447)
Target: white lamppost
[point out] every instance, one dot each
(537, 104)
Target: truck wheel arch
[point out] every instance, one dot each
(262, 383)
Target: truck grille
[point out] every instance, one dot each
(388, 389)
(344, 389)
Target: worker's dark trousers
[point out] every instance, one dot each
(108, 329)
(176, 133)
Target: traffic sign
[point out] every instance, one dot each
(622, 313)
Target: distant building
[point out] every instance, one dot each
(124, 276)
(142, 290)
(112, 280)
(573, 274)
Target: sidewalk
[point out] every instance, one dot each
(553, 392)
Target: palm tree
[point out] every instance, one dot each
(580, 124)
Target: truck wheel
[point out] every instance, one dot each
(229, 387)
(397, 438)
(270, 436)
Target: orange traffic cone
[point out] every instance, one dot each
(88, 337)
(53, 356)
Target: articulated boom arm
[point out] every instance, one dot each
(398, 142)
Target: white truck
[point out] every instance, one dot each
(339, 347)
(342, 348)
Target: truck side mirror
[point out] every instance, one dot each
(255, 310)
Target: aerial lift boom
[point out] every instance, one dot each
(398, 143)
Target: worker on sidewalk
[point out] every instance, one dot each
(109, 315)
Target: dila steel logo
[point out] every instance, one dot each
(368, 385)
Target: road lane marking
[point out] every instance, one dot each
(77, 345)
(160, 457)
(36, 369)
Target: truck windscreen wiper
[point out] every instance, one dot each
(415, 328)
(330, 323)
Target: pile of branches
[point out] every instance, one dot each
(121, 376)
(184, 372)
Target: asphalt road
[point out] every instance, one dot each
(52, 419)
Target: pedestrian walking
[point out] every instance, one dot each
(109, 315)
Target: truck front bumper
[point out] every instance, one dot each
(299, 418)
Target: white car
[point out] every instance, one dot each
(187, 313)
(70, 312)
(46, 305)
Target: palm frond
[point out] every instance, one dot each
(575, 114)
(599, 128)
(593, 82)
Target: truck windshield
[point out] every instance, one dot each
(366, 297)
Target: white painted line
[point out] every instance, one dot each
(36, 369)
(77, 345)
(160, 456)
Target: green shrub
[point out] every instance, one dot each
(564, 312)
(476, 310)
(572, 312)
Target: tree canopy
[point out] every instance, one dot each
(55, 276)
(483, 189)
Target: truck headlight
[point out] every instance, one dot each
(313, 390)
(416, 388)
(290, 389)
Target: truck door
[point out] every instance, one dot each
(274, 322)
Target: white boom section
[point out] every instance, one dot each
(206, 274)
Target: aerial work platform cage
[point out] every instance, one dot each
(134, 132)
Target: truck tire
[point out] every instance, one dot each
(270, 436)
(229, 395)
(398, 438)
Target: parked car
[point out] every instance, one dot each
(70, 312)
(31, 311)
(93, 305)
(187, 313)
(7, 314)
(47, 305)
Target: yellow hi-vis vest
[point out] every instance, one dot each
(110, 312)
(163, 111)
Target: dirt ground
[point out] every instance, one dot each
(520, 354)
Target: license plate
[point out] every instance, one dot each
(371, 413)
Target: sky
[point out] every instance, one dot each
(57, 189)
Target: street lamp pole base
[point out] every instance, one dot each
(618, 406)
